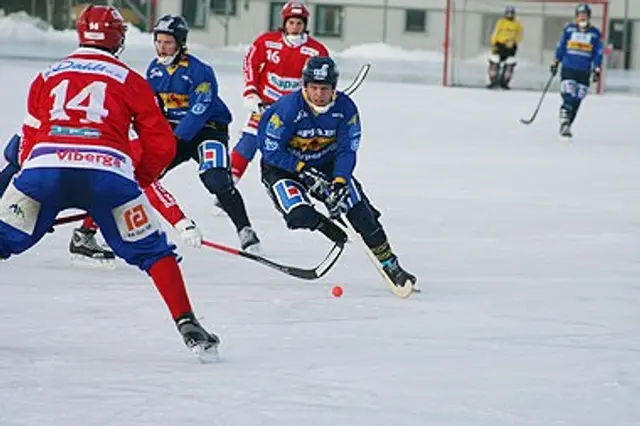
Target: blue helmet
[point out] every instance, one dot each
(174, 25)
(583, 8)
(320, 69)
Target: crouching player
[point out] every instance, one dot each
(76, 154)
(579, 51)
(308, 140)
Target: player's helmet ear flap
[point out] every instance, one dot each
(174, 25)
(320, 69)
(295, 10)
(101, 27)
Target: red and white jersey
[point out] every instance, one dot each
(273, 66)
(79, 111)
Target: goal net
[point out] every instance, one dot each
(470, 23)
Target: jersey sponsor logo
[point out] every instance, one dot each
(155, 72)
(306, 50)
(273, 45)
(83, 132)
(174, 100)
(309, 133)
(103, 159)
(289, 194)
(270, 145)
(283, 83)
(271, 94)
(134, 220)
(275, 127)
(203, 87)
(87, 66)
(314, 144)
(199, 109)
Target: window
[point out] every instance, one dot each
(195, 12)
(328, 21)
(488, 24)
(552, 30)
(415, 21)
(274, 14)
(224, 7)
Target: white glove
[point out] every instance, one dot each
(253, 103)
(189, 232)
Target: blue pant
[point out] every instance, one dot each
(574, 87)
(35, 197)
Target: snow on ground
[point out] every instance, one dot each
(527, 249)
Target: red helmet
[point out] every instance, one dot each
(294, 10)
(102, 27)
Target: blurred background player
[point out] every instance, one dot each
(309, 141)
(200, 119)
(75, 153)
(579, 51)
(507, 34)
(272, 68)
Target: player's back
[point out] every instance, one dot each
(84, 99)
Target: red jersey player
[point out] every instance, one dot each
(272, 68)
(76, 154)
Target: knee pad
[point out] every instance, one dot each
(302, 217)
(217, 181)
(573, 92)
(364, 221)
(212, 154)
(247, 146)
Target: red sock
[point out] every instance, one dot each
(164, 203)
(88, 223)
(239, 165)
(167, 277)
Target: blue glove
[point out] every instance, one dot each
(336, 201)
(315, 181)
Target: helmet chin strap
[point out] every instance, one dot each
(295, 39)
(583, 24)
(169, 60)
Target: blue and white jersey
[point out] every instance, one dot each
(189, 92)
(580, 49)
(291, 134)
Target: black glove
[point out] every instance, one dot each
(315, 181)
(336, 202)
(554, 68)
(596, 75)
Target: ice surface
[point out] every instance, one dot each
(527, 250)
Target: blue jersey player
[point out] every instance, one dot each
(200, 119)
(579, 51)
(308, 140)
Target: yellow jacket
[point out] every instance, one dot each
(507, 32)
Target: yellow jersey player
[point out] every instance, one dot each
(506, 36)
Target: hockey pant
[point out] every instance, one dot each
(35, 197)
(574, 87)
(292, 200)
(209, 149)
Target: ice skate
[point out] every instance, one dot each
(86, 251)
(249, 240)
(203, 344)
(399, 276)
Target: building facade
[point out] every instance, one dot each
(412, 24)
